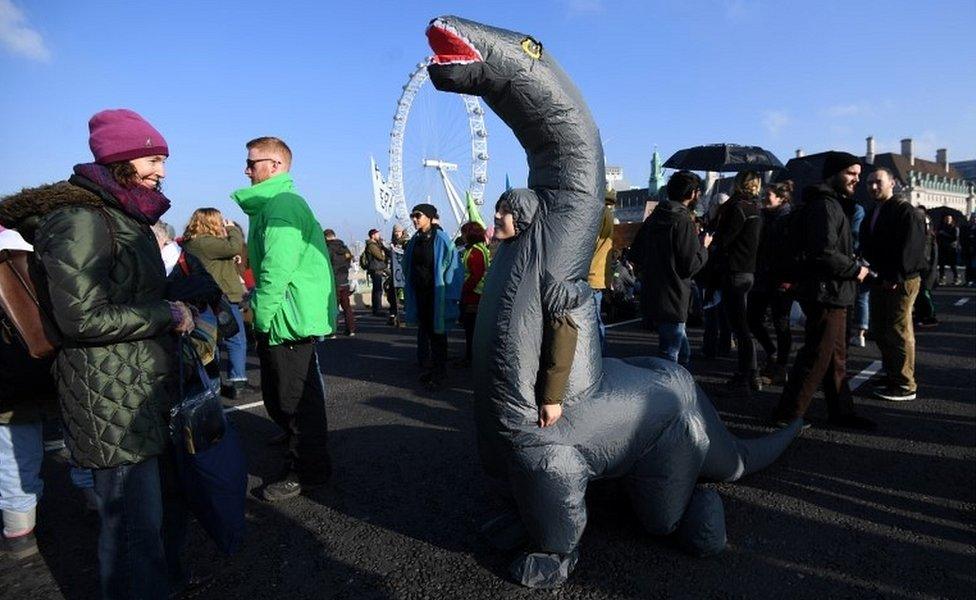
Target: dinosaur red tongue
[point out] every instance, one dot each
(449, 47)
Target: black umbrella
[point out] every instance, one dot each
(724, 158)
(807, 170)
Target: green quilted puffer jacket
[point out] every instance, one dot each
(105, 286)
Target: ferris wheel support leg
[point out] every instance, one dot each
(452, 196)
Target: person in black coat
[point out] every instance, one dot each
(341, 259)
(923, 313)
(735, 248)
(893, 242)
(949, 245)
(771, 292)
(668, 253)
(826, 275)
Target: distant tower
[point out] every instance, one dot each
(656, 181)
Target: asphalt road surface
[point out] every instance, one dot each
(888, 513)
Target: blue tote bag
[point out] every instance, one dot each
(209, 456)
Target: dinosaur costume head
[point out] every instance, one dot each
(529, 91)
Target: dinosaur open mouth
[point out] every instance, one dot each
(449, 46)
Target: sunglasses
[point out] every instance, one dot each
(416, 215)
(250, 163)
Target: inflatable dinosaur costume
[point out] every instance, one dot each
(643, 420)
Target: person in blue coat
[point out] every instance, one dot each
(433, 291)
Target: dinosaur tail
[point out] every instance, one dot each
(730, 457)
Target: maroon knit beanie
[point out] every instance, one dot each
(121, 134)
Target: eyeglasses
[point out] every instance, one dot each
(416, 215)
(250, 163)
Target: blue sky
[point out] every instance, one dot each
(325, 76)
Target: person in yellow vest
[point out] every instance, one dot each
(475, 259)
(601, 274)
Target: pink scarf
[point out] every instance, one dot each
(138, 202)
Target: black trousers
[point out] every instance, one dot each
(468, 320)
(431, 346)
(735, 291)
(294, 396)
(779, 303)
(376, 296)
(821, 361)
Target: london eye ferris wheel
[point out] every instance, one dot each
(438, 153)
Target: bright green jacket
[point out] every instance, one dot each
(295, 297)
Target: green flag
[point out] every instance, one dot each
(473, 213)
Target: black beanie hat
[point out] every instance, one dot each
(428, 209)
(835, 162)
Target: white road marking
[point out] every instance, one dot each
(244, 406)
(868, 372)
(623, 323)
(961, 301)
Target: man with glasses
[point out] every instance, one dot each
(294, 305)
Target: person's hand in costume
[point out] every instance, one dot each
(549, 414)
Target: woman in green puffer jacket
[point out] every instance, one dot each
(102, 279)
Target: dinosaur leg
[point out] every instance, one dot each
(663, 478)
(549, 483)
(702, 528)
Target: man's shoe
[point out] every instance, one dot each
(894, 394)
(285, 489)
(752, 382)
(857, 340)
(774, 374)
(20, 547)
(852, 421)
(392, 320)
(783, 424)
(244, 386)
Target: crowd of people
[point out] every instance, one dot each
(128, 297)
(751, 258)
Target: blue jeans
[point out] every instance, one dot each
(235, 348)
(597, 303)
(143, 527)
(861, 312)
(81, 477)
(673, 342)
(21, 454)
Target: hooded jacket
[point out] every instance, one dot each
(295, 296)
(101, 277)
(669, 254)
(826, 271)
(340, 257)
